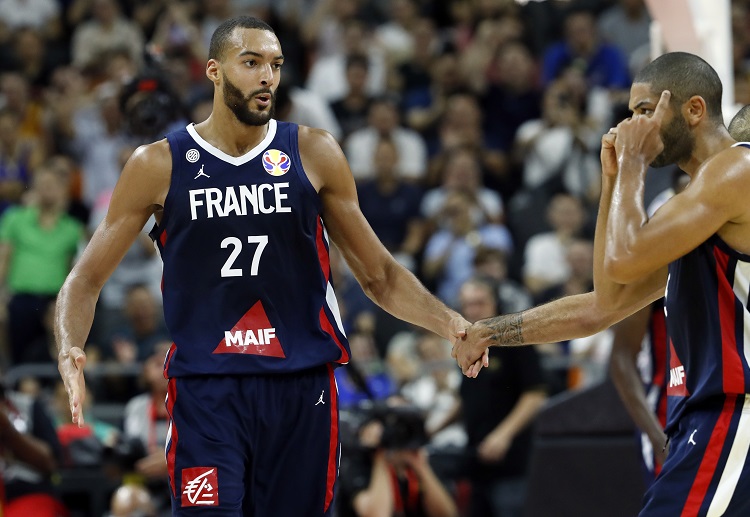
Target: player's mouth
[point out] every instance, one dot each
(263, 100)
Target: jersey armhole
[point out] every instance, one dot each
(174, 149)
(308, 186)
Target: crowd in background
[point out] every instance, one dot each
(472, 128)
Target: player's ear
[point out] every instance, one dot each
(695, 110)
(212, 70)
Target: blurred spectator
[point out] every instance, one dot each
(142, 329)
(395, 35)
(177, 33)
(433, 384)
(413, 75)
(323, 30)
(16, 95)
(462, 172)
(19, 157)
(424, 105)
(38, 14)
(105, 30)
(512, 296)
(213, 13)
(131, 500)
(327, 75)
(31, 452)
(96, 134)
(449, 254)
(579, 256)
(460, 125)
(601, 63)
(302, 106)
(626, 25)
(497, 409)
(147, 421)
(545, 264)
(352, 109)
(383, 123)
(512, 96)
(391, 206)
(37, 245)
(32, 57)
(562, 147)
(365, 378)
(491, 36)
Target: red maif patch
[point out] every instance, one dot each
(200, 486)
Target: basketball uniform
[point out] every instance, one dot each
(652, 363)
(249, 303)
(708, 409)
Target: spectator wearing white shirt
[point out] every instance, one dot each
(383, 123)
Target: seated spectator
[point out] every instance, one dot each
(142, 329)
(19, 157)
(544, 256)
(147, 421)
(31, 454)
(391, 206)
(352, 109)
(461, 172)
(383, 122)
(449, 253)
(512, 296)
(602, 63)
(365, 378)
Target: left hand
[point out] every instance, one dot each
(640, 136)
(494, 447)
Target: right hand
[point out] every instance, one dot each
(608, 154)
(71, 366)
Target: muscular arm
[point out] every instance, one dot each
(390, 285)
(628, 336)
(574, 316)
(141, 189)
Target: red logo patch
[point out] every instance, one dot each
(253, 335)
(200, 486)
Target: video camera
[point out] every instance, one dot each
(149, 106)
(403, 426)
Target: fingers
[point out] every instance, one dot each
(661, 106)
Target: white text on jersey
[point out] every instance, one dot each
(259, 337)
(676, 376)
(265, 198)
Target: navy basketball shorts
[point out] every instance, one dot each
(706, 472)
(256, 445)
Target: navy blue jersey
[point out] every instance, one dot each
(708, 325)
(247, 282)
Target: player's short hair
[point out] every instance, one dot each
(684, 75)
(223, 32)
(739, 127)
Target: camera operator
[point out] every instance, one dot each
(385, 470)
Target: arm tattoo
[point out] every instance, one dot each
(506, 330)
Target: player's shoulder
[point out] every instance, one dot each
(154, 156)
(315, 136)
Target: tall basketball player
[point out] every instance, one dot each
(245, 207)
(695, 251)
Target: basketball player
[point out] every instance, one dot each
(696, 250)
(245, 206)
(639, 349)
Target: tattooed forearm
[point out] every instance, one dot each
(506, 330)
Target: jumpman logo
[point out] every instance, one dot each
(201, 173)
(690, 440)
(320, 400)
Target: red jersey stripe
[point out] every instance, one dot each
(333, 446)
(732, 370)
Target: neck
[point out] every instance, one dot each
(707, 146)
(225, 132)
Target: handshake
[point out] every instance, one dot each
(471, 342)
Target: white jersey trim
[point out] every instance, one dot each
(235, 160)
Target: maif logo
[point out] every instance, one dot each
(276, 162)
(200, 486)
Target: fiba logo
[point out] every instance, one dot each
(192, 155)
(275, 162)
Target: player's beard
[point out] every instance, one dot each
(678, 143)
(239, 104)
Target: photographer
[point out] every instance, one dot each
(385, 471)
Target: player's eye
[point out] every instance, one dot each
(250, 62)
(277, 66)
